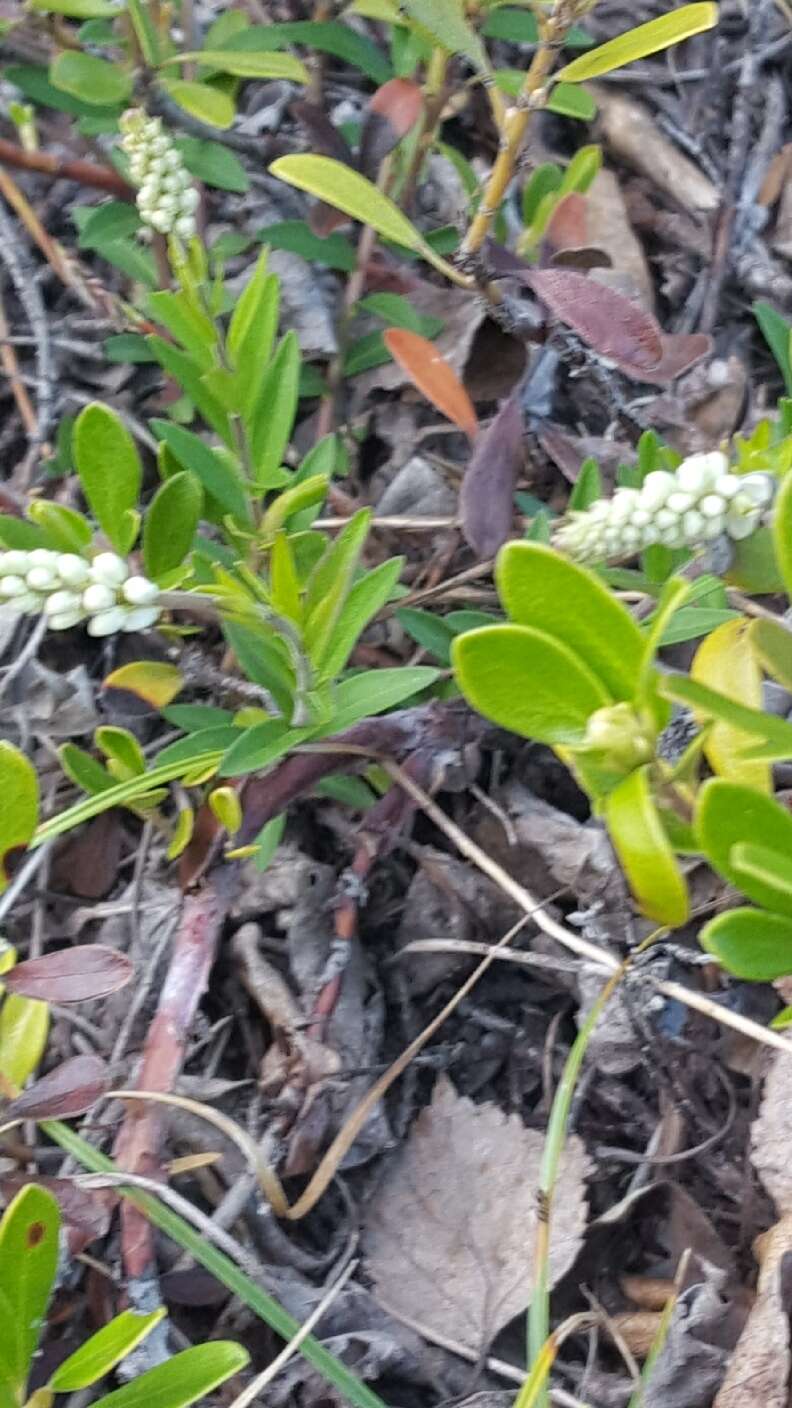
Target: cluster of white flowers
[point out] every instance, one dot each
(698, 502)
(166, 197)
(69, 589)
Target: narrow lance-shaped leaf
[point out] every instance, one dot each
(486, 498)
(347, 190)
(103, 1351)
(247, 65)
(72, 974)
(782, 531)
(431, 373)
(28, 1262)
(182, 1380)
(19, 802)
(640, 42)
(445, 21)
(69, 1090)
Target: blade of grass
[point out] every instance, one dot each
(222, 1267)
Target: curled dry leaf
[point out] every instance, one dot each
(392, 113)
(71, 975)
(69, 1090)
(487, 494)
(433, 376)
(449, 1237)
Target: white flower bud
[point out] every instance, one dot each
(110, 569)
(140, 617)
(58, 602)
(12, 586)
(727, 485)
(184, 227)
(73, 571)
(41, 579)
(656, 487)
(139, 591)
(679, 503)
(107, 623)
(160, 220)
(98, 597)
(42, 557)
(64, 620)
(14, 563)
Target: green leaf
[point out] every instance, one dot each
(729, 816)
(216, 476)
(776, 734)
(431, 632)
(776, 332)
(643, 848)
(588, 486)
(750, 944)
(262, 745)
(84, 770)
(24, 1025)
(268, 841)
(183, 1379)
(374, 691)
(188, 375)
(188, 324)
(328, 36)
(112, 220)
(366, 597)
(121, 747)
(782, 531)
(764, 867)
(397, 312)
(528, 681)
(91, 80)
(247, 65)
(570, 101)
(753, 566)
(153, 681)
(445, 21)
(66, 529)
(19, 804)
(542, 589)
(110, 472)
(262, 659)
(329, 585)
(214, 164)
(251, 331)
(170, 523)
(726, 661)
(227, 808)
(208, 104)
(272, 415)
(32, 80)
(640, 42)
(335, 251)
(103, 1351)
(16, 533)
(29, 1233)
(75, 9)
(347, 190)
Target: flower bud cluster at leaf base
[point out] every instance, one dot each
(684, 508)
(69, 589)
(166, 198)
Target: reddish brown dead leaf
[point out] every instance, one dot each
(681, 351)
(86, 1212)
(87, 864)
(432, 375)
(487, 496)
(69, 1090)
(567, 227)
(605, 320)
(392, 113)
(71, 975)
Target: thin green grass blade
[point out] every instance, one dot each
(354, 1391)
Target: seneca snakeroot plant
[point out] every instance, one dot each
(69, 589)
(695, 504)
(166, 198)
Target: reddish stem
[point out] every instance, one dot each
(87, 173)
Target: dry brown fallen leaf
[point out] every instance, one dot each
(609, 229)
(449, 1234)
(630, 132)
(760, 1366)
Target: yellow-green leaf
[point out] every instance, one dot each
(24, 1024)
(640, 42)
(347, 190)
(199, 100)
(151, 680)
(445, 21)
(182, 833)
(725, 661)
(782, 532)
(644, 850)
(224, 802)
(19, 798)
(247, 65)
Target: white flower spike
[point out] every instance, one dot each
(68, 590)
(692, 506)
(166, 198)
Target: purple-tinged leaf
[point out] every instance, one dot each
(392, 113)
(487, 494)
(605, 320)
(681, 351)
(69, 1090)
(71, 975)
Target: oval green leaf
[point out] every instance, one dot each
(750, 944)
(103, 1351)
(727, 817)
(542, 589)
(247, 65)
(528, 682)
(170, 523)
(764, 867)
(209, 105)
(644, 850)
(782, 531)
(24, 1026)
(347, 190)
(640, 42)
(725, 661)
(28, 1262)
(89, 79)
(19, 803)
(181, 1380)
(110, 472)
